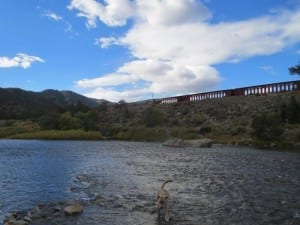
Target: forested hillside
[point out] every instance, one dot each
(20, 104)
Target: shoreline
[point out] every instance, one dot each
(96, 136)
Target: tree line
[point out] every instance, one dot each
(77, 116)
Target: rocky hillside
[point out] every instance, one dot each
(226, 120)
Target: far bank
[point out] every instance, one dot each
(265, 121)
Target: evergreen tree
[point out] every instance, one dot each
(295, 69)
(293, 111)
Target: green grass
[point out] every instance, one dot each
(13, 127)
(59, 135)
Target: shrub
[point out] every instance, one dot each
(89, 120)
(238, 131)
(293, 111)
(184, 133)
(142, 134)
(60, 135)
(49, 121)
(153, 117)
(67, 122)
(204, 130)
(16, 126)
(198, 119)
(267, 126)
(290, 111)
(103, 107)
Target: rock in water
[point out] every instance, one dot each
(16, 222)
(73, 209)
(178, 143)
(197, 143)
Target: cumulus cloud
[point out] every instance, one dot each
(112, 13)
(20, 60)
(170, 12)
(175, 46)
(208, 44)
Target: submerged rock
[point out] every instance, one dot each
(27, 219)
(178, 143)
(197, 143)
(15, 222)
(73, 209)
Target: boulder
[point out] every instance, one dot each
(16, 222)
(175, 142)
(73, 209)
(14, 219)
(27, 219)
(197, 143)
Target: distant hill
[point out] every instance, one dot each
(18, 103)
(65, 98)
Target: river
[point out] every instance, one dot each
(119, 180)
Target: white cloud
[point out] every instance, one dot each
(20, 60)
(105, 42)
(170, 12)
(53, 16)
(203, 43)
(268, 69)
(57, 18)
(115, 96)
(158, 78)
(107, 81)
(112, 13)
(175, 46)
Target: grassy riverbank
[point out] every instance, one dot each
(152, 134)
(31, 130)
(59, 135)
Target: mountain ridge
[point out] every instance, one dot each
(19, 103)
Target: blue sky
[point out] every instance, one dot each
(136, 49)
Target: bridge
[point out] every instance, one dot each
(264, 89)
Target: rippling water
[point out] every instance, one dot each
(221, 185)
(34, 172)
